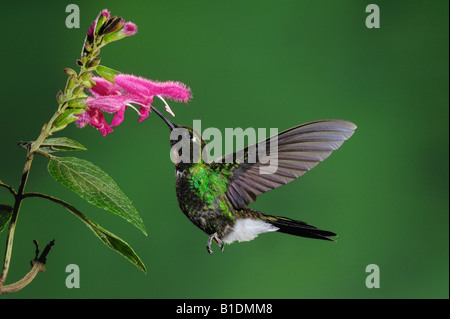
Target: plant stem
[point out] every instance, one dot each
(38, 264)
(45, 132)
(37, 267)
(14, 216)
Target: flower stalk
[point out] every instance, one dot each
(71, 102)
(111, 92)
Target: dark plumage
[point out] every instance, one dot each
(215, 196)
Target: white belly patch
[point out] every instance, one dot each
(248, 229)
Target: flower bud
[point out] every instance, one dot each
(88, 47)
(60, 97)
(101, 19)
(94, 63)
(70, 71)
(112, 25)
(71, 81)
(77, 90)
(128, 29)
(88, 84)
(85, 76)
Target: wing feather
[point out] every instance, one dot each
(299, 149)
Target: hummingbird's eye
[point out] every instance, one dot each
(192, 137)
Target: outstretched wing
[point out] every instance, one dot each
(261, 167)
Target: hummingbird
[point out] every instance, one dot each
(214, 195)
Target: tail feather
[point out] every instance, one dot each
(297, 228)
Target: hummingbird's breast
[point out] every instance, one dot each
(201, 194)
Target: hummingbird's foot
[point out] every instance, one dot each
(216, 240)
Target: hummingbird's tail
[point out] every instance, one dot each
(250, 223)
(297, 228)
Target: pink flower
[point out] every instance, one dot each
(127, 91)
(106, 13)
(129, 28)
(96, 118)
(140, 86)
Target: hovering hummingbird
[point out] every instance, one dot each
(215, 195)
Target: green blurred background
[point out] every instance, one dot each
(249, 64)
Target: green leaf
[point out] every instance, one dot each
(95, 186)
(109, 239)
(5, 216)
(114, 242)
(60, 144)
(107, 73)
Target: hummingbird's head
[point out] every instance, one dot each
(186, 143)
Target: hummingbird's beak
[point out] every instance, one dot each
(169, 123)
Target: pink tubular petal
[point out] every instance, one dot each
(103, 87)
(132, 85)
(118, 117)
(97, 120)
(176, 91)
(96, 117)
(83, 119)
(140, 100)
(105, 130)
(110, 103)
(145, 111)
(143, 87)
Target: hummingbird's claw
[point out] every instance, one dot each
(208, 244)
(216, 240)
